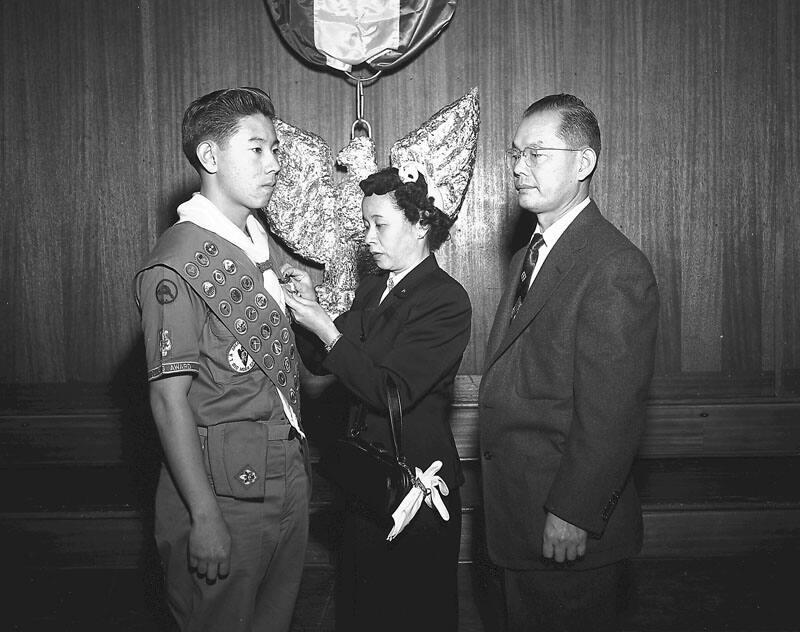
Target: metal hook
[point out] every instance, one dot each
(360, 121)
(363, 124)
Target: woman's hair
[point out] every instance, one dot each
(216, 117)
(413, 199)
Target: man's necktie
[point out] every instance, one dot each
(528, 265)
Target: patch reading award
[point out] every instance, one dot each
(166, 291)
(238, 358)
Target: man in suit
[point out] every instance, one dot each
(562, 399)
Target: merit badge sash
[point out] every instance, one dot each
(233, 288)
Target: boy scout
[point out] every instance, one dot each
(231, 519)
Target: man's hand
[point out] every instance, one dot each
(210, 547)
(562, 541)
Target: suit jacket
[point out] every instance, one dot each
(417, 335)
(562, 398)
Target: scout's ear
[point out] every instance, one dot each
(207, 155)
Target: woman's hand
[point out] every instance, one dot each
(296, 281)
(307, 311)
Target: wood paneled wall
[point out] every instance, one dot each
(697, 102)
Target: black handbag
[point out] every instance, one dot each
(374, 478)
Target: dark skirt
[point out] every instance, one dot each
(408, 584)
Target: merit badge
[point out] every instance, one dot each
(266, 332)
(261, 301)
(164, 342)
(291, 352)
(292, 396)
(166, 291)
(211, 248)
(230, 266)
(236, 295)
(255, 344)
(247, 476)
(251, 313)
(285, 335)
(247, 283)
(208, 289)
(191, 270)
(225, 308)
(281, 378)
(201, 259)
(238, 358)
(287, 365)
(269, 362)
(219, 277)
(275, 318)
(239, 325)
(276, 347)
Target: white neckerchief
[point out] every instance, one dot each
(202, 211)
(553, 233)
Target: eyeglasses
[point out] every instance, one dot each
(533, 155)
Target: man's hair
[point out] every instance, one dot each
(413, 199)
(216, 117)
(579, 127)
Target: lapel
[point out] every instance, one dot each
(374, 315)
(558, 263)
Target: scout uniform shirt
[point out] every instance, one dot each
(191, 330)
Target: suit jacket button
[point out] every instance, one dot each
(487, 455)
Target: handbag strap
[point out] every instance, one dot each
(395, 417)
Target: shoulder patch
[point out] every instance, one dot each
(166, 291)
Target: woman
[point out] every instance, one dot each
(412, 324)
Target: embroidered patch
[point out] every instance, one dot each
(230, 266)
(277, 347)
(281, 378)
(211, 248)
(240, 326)
(261, 301)
(164, 342)
(269, 361)
(284, 335)
(209, 290)
(166, 291)
(236, 295)
(275, 318)
(247, 283)
(225, 308)
(251, 313)
(255, 344)
(266, 332)
(218, 276)
(238, 358)
(247, 476)
(192, 270)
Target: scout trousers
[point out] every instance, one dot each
(268, 544)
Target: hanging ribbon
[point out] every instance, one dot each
(343, 34)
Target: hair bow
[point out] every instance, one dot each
(409, 172)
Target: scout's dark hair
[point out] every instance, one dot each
(413, 199)
(579, 127)
(216, 117)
